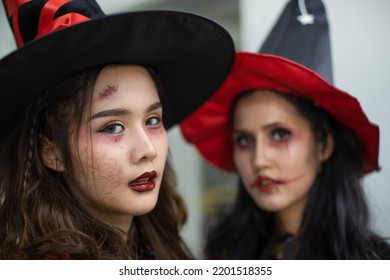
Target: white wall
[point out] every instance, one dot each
(360, 42)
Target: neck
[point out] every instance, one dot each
(290, 219)
(123, 223)
(287, 222)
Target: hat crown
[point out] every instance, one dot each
(31, 19)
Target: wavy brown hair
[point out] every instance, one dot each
(42, 212)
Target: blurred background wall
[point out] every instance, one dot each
(360, 42)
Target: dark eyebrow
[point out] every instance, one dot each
(109, 113)
(123, 112)
(267, 126)
(154, 106)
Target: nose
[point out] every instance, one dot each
(143, 148)
(260, 156)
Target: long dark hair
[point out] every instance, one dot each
(42, 212)
(336, 221)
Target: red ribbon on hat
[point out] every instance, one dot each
(12, 8)
(47, 23)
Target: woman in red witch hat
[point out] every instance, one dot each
(300, 147)
(87, 99)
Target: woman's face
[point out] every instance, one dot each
(275, 151)
(123, 145)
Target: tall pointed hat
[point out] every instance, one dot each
(302, 34)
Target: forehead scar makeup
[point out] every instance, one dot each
(107, 92)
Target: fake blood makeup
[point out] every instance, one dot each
(266, 184)
(145, 182)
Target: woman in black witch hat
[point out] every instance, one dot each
(87, 99)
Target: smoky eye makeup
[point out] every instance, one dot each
(242, 140)
(280, 134)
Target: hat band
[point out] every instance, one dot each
(47, 22)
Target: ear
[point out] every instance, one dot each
(51, 155)
(326, 149)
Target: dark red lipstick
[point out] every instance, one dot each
(145, 182)
(266, 184)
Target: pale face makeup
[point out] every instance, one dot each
(122, 146)
(275, 153)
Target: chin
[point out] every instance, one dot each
(147, 208)
(270, 207)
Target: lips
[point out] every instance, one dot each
(266, 184)
(145, 182)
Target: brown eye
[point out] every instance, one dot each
(153, 121)
(112, 129)
(280, 134)
(243, 141)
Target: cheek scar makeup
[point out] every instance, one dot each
(107, 92)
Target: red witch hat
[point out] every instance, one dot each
(209, 129)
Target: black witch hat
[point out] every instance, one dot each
(59, 38)
(302, 35)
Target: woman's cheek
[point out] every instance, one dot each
(103, 139)
(159, 135)
(157, 131)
